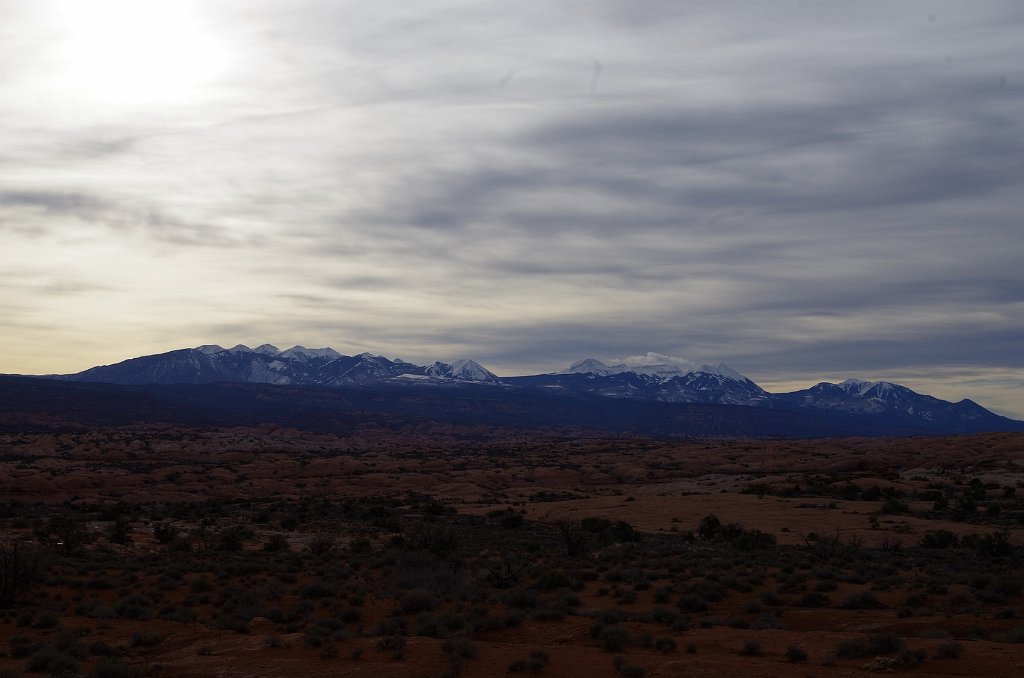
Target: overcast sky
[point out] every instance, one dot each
(805, 190)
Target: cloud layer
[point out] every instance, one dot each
(804, 190)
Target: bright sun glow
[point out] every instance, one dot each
(136, 52)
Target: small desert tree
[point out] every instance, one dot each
(572, 535)
(20, 566)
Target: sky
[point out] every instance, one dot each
(807, 191)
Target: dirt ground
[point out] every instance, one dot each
(955, 611)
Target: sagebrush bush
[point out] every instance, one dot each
(795, 654)
(949, 650)
(867, 646)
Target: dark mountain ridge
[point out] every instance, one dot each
(647, 398)
(36, 404)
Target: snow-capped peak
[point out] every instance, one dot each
(267, 349)
(652, 365)
(470, 370)
(239, 348)
(303, 353)
(723, 370)
(656, 365)
(858, 386)
(209, 349)
(652, 359)
(590, 366)
(463, 370)
(873, 389)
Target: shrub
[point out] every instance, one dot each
(572, 535)
(551, 580)
(894, 506)
(317, 589)
(145, 638)
(462, 647)
(795, 654)
(665, 644)
(101, 648)
(507, 518)
(614, 638)
(108, 667)
(391, 642)
(940, 539)
(133, 607)
(664, 615)
(232, 622)
(993, 545)
(321, 545)
(692, 602)
(828, 545)
(708, 527)
(317, 636)
(21, 646)
(202, 585)
(535, 664)
(53, 661)
(861, 601)
(867, 646)
(70, 642)
(230, 539)
(276, 544)
(627, 670)
(611, 615)
(46, 619)
(416, 601)
(815, 599)
(949, 650)
(20, 565)
(1015, 635)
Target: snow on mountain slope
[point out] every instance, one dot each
(651, 377)
(462, 370)
(657, 377)
(893, 404)
(591, 366)
(266, 364)
(303, 353)
(470, 370)
(722, 370)
(655, 365)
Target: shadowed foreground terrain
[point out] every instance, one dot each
(445, 550)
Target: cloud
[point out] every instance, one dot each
(793, 188)
(650, 358)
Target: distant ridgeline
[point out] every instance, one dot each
(646, 398)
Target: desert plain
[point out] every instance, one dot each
(440, 550)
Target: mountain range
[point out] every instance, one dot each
(266, 364)
(852, 406)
